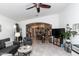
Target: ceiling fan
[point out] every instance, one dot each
(38, 6)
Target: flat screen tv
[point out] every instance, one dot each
(56, 32)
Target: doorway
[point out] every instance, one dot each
(39, 32)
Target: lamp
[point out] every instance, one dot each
(14, 26)
(17, 34)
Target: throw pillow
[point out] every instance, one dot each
(8, 43)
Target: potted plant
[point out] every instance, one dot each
(73, 33)
(67, 35)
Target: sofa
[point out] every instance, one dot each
(11, 49)
(27, 41)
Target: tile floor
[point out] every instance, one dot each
(48, 49)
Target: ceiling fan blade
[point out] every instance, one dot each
(35, 3)
(31, 7)
(44, 5)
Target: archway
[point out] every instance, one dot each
(39, 31)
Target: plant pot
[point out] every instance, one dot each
(68, 40)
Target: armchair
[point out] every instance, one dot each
(27, 41)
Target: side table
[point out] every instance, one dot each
(68, 47)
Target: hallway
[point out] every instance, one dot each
(39, 31)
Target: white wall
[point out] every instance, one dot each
(51, 19)
(70, 15)
(7, 28)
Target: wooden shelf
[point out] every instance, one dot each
(57, 41)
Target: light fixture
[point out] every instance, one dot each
(17, 34)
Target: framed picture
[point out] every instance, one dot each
(0, 27)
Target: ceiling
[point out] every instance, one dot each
(17, 11)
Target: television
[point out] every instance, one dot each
(56, 32)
